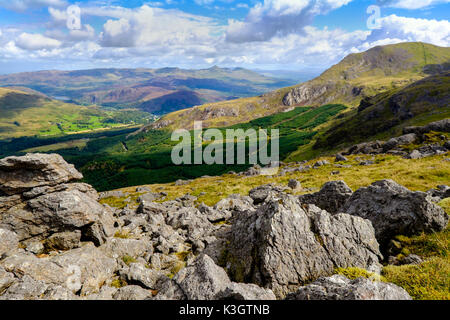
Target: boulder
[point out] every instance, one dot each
(395, 210)
(400, 141)
(19, 174)
(294, 185)
(317, 242)
(140, 274)
(338, 287)
(340, 157)
(8, 242)
(59, 212)
(331, 197)
(204, 280)
(132, 293)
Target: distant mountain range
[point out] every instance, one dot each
(157, 91)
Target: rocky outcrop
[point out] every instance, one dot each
(317, 242)
(57, 242)
(395, 210)
(19, 174)
(438, 126)
(331, 197)
(338, 287)
(43, 203)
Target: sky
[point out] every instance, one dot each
(300, 35)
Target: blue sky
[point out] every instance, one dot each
(263, 34)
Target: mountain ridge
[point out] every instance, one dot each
(347, 82)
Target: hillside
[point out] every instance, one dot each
(31, 113)
(356, 77)
(153, 90)
(386, 114)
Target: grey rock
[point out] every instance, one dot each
(438, 126)
(320, 163)
(415, 154)
(441, 192)
(139, 274)
(395, 210)
(338, 287)
(55, 212)
(8, 242)
(117, 248)
(261, 193)
(412, 259)
(294, 184)
(245, 291)
(94, 265)
(19, 174)
(132, 293)
(366, 163)
(203, 280)
(331, 197)
(112, 194)
(399, 141)
(340, 157)
(317, 242)
(214, 215)
(54, 292)
(81, 187)
(63, 240)
(35, 247)
(6, 279)
(26, 288)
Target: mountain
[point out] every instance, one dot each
(356, 77)
(153, 90)
(32, 113)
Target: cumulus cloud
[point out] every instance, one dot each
(410, 4)
(399, 29)
(278, 18)
(147, 26)
(36, 41)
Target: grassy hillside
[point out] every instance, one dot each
(384, 115)
(356, 77)
(28, 114)
(153, 90)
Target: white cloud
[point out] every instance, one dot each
(410, 4)
(412, 29)
(22, 5)
(148, 26)
(29, 41)
(278, 18)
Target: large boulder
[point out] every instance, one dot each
(331, 197)
(338, 287)
(18, 174)
(204, 280)
(284, 244)
(58, 212)
(395, 210)
(399, 141)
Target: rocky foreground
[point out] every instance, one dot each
(58, 242)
